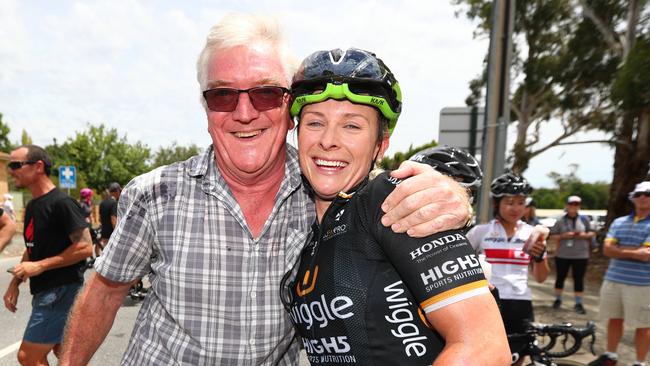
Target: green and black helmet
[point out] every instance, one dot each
(353, 74)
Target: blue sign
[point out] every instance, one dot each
(67, 176)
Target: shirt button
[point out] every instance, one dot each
(251, 342)
(253, 295)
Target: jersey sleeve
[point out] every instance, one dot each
(439, 270)
(612, 233)
(130, 247)
(475, 236)
(71, 215)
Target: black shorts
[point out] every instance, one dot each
(516, 314)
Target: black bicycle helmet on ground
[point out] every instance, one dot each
(353, 74)
(453, 162)
(510, 184)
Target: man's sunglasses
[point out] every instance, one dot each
(15, 165)
(263, 98)
(639, 194)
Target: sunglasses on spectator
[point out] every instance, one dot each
(263, 98)
(15, 165)
(574, 203)
(639, 194)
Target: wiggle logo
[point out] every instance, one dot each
(306, 287)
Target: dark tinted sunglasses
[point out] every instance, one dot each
(15, 165)
(363, 87)
(639, 194)
(262, 97)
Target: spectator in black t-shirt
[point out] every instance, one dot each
(108, 213)
(57, 241)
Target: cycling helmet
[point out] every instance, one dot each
(453, 162)
(510, 184)
(86, 193)
(352, 74)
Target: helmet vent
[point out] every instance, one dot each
(336, 56)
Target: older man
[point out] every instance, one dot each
(625, 293)
(218, 231)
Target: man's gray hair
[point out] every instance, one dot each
(243, 30)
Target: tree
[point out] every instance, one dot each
(594, 195)
(393, 163)
(619, 31)
(578, 75)
(101, 156)
(25, 139)
(173, 153)
(5, 144)
(540, 51)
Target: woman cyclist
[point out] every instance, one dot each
(361, 293)
(502, 240)
(454, 162)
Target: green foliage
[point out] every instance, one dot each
(632, 85)
(594, 195)
(392, 163)
(101, 157)
(173, 153)
(5, 144)
(25, 139)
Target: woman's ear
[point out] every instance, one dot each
(383, 146)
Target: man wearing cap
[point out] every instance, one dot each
(530, 217)
(108, 213)
(625, 293)
(573, 235)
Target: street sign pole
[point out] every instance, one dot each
(497, 106)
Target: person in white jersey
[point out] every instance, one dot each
(502, 241)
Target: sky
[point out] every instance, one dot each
(131, 65)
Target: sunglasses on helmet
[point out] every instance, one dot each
(263, 98)
(639, 194)
(15, 165)
(363, 92)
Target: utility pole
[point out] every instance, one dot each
(497, 104)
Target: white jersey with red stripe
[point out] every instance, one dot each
(508, 260)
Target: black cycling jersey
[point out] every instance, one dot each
(360, 291)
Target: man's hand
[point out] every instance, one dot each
(426, 203)
(568, 235)
(11, 295)
(643, 254)
(25, 270)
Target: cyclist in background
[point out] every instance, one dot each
(502, 240)
(454, 162)
(86, 203)
(108, 212)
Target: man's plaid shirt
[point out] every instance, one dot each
(214, 298)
